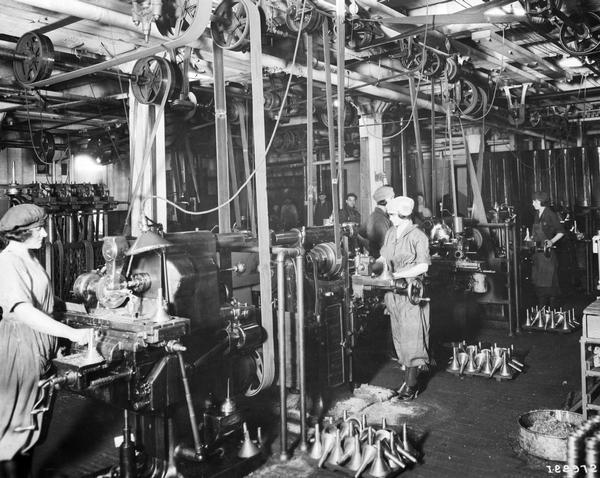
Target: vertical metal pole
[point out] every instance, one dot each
(221, 139)
(283, 454)
(452, 174)
(419, 162)
(403, 156)
(310, 167)
(509, 277)
(331, 131)
(301, 352)
(341, 54)
(432, 195)
(517, 277)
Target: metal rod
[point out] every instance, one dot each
(301, 347)
(283, 455)
(190, 406)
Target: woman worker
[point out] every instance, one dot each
(28, 335)
(406, 254)
(547, 231)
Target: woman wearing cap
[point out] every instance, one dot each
(28, 335)
(406, 254)
(547, 231)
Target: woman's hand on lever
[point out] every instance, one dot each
(81, 336)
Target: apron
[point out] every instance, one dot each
(544, 272)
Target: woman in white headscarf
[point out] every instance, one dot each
(406, 254)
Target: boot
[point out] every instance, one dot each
(411, 390)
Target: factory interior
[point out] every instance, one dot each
(209, 170)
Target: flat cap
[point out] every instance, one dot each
(21, 217)
(402, 205)
(383, 192)
(541, 196)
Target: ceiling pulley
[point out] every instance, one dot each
(230, 26)
(155, 77)
(34, 58)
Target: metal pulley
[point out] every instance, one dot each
(155, 77)
(34, 58)
(43, 147)
(324, 258)
(451, 69)
(230, 26)
(435, 65)
(359, 34)
(579, 34)
(311, 22)
(412, 56)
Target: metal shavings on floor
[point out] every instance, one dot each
(352, 405)
(380, 394)
(297, 467)
(395, 412)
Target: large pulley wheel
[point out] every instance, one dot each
(451, 70)
(43, 147)
(581, 35)
(413, 58)
(34, 58)
(296, 22)
(155, 78)
(230, 26)
(435, 65)
(349, 115)
(467, 97)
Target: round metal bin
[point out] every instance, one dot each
(546, 445)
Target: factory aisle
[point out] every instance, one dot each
(465, 427)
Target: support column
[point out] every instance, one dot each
(372, 169)
(142, 120)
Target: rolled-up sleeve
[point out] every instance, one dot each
(422, 249)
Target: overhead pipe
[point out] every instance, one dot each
(88, 11)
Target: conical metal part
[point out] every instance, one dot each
(463, 358)
(552, 321)
(368, 455)
(328, 443)
(455, 365)
(389, 451)
(383, 423)
(528, 319)
(337, 451)
(379, 467)
(505, 371)
(248, 449)
(317, 448)
(496, 366)
(486, 367)
(471, 366)
(356, 458)
(147, 241)
(348, 444)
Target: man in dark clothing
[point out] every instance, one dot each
(349, 213)
(323, 210)
(378, 223)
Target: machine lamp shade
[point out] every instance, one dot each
(148, 241)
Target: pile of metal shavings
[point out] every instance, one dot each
(297, 467)
(554, 427)
(377, 394)
(353, 406)
(395, 412)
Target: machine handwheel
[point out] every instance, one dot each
(581, 36)
(43, 147)
(435, 65)
(39, 61)
(415, 291)
(230, 26)
(310, 23)
(156, 77)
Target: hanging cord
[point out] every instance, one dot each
(260, 162)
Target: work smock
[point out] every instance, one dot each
(409, 322)
(544, 272)
(24, 353)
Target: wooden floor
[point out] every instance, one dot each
(465, 427)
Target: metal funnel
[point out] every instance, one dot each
(349, 444)
(486, 366)
(455, 365)
(496, 366)
(337, 451)
(463, 358)
(471, 366)
(528, 322)
(393, 459)
(248, 449)
(328, 442)
(317, 448)
(552, 321)
(356, 458)
(505, 371)
(368, 455)
(379, 467)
